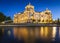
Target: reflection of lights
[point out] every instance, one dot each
(59, 32)
(3, 30)
(42, 31)
(20, 32)
(36, 32)
(15, 32)
(54, 32)
(9, 32)
(31, 32)
(46, 31)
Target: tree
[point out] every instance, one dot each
(58, 20)
(3, 17)
(8, 18)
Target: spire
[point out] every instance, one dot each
(29, 6)
(29, 3)
(46, 8)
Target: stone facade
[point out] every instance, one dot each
(30, 16)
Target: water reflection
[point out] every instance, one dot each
(20, 32)
(9, 32)
(35, 32)
(41, 31)
(32, 34)
(44, 31)
(53, 33)
(1, 35)
(59, 32)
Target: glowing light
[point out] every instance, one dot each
(46, 31)
(54, 32)
(41, 31)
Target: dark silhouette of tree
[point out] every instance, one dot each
(3, 17)
(8, 18)
(58, 20)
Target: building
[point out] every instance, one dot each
(30, 16)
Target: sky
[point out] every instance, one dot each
(11, 7)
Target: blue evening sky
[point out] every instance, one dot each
(11, 7)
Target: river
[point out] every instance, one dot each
(29, 34)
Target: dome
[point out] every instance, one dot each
(29, 6)
(47, 10)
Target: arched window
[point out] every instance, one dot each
(38, 20)
(42, 20)
(46, 13)
(46, 20)
(33, 20)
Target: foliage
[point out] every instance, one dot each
(3, 17)
(57, 21)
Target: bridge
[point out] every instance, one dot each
(29, 24)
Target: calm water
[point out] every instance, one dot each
(30, 35)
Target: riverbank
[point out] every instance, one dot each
(30, 24)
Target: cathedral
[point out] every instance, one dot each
(31, 16)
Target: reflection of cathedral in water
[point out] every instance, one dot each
(30, 15)
(35, 32)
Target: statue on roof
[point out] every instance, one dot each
(47, 10)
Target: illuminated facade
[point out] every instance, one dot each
(30, 16)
